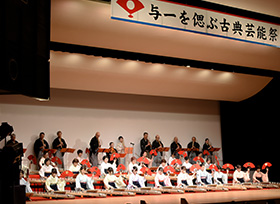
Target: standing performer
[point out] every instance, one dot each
(145, 144)
(194, 146)
(58, 144)
(135, 180)
(112, 150)
(40, 145)
(240, 176)
(94, 146)
(184, 179)
(53, 183)
(12, 141)
(157, 144)
(83, 182)
(175, 145)
(121, 149)
(161, 179)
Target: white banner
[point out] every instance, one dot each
(186, 18)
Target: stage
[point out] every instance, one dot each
(209, 197)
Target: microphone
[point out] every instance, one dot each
(131, 143)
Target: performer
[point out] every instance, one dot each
(133, 164)
(161, 179)
(220, 177)
(145, 155)
(145, 144)
(58, 144)
(171, 158)
(208, 163)
(187, 164)
(80, 155)
(157, 144)
(194, 146)
(207, 146)
(135, 180)
(75, 167)
(121, 149)
(112, 150)
(184, 179)
(24, 182)
(83, 182)
(94, 146)
(111, 181)
(42, 160)
(53, 183)
(174, 147)
(105, 165)
(259, 176)
(163, 164)
(12, 141)
(240, 176)
(40, 145)
(46, 170)
(203, 177)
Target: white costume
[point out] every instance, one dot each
(203, 175)
(162, 178)
(136, 178)
(47, 169)
(74, 168)
(184, 177)
(28, 189)
(84, 179)
(240, 174)
(55, 180)
(105, 166)
(130, 167)
(220, 175)
(113, 179)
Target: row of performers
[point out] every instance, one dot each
(184, 178)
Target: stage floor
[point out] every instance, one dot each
(209, 197)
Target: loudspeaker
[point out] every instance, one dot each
(25, 40)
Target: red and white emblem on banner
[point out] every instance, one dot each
(131, 6)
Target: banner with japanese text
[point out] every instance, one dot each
(186, 18)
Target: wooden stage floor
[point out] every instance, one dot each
(209, 197)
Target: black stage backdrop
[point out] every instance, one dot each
(251, 129)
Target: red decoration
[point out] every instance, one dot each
(66, 173)
(198, 159)
(86, 162)
(228, 166)
(195, 167)
(213, 166)
(121, 167)
(146, 170)
(32, 158)
(218, 163)
(266, 165)
(249, 164)
(137, 5)
(56, 160)
(205, 152)
(153, 152)
(143, 159)
(113, 156)
(95, 170)
(176, 161)
(169, 169)
(181, 152)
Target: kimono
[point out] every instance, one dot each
(136, 180)
(240, 176)
(83, 181)
(184, 179)
(220, 178)
(28, 189)
(162, 180)
(104, 167)
(54, 183)
(111, 181)
(45, 171)
(203, 177)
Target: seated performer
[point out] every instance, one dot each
(203, 177)
(53, 183)
(145, 155)
(42, 159)
(135, 180)
(220, 177)
(83, 182)
(208, 163)
(24, 182)
(187, 164)
(259, 176)
(184, 179)
(133, 164)
(171, 158)
(80, 155)
(240, 176)
(46, 170)
(161, 179)
(111, 181)
(75, 167)
(105, 165)
(162, 164)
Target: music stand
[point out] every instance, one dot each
(70, 150)
(103, 150)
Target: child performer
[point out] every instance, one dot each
(162, 164)
(133, 164)
(184, 179)
(161, 179)
(83, 182)
(75, 167)
(46, 170)
(203, 177)
(187, 164)
(53, 183)
(111, 181)
(135, 181)
(79, 155)
(105, 166)
(24, 182)
(259, 176)
(220, 177)
(240, 176)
